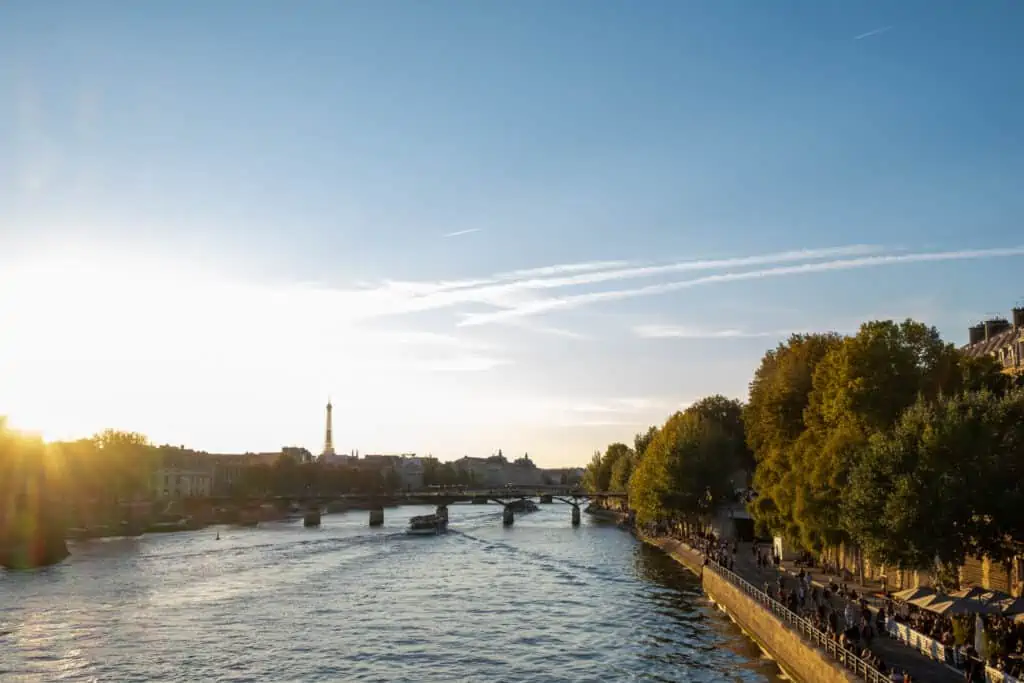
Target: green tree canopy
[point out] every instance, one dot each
(946, 481)
(860, 388)
(727, 413)
(622, 469)
(873, 376)
(687, 468)
(642, 441)
(598, 475)
(773, 419)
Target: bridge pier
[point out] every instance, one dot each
(311, 517)
(545, 498)
(377, 516)
(508, 517)
(575, 515)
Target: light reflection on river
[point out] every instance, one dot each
(538, 602)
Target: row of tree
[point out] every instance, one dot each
(90, 478)
(890, 440)
(683, 469)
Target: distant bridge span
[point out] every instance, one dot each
(445, 496)
(509, 497)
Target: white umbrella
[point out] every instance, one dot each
(1011, 606)
(971, 593)
(924, 602)
(960, 606)
(915, 593)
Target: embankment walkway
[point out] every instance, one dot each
(896, 655)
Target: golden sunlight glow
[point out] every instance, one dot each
(93, 341)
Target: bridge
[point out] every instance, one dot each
(512, 499)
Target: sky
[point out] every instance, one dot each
(539, 226)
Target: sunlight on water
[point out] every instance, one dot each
(540, 601)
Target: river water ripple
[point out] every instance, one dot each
(540, 601)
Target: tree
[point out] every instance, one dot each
(860, 388)
(728, 414)
(287, 477)
(621, 472)
(598, 475)
(592, 473)
(31, 524)
(686, 469)
(945, 482)
(127, 460)
(642, 441)
(872, 377)
(984, 373)
(773, 420)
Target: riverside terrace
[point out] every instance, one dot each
(901, 647)
(313, 503)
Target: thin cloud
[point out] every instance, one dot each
(561, 269)
(461, 232)
(415, 297)
(530, 326)
(464, 364)
(545, 305)
(874, 32)
(443, 286)
(682, 332)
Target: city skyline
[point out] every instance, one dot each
(542, 228)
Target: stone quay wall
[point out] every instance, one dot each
(801, 660)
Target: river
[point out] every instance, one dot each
(540, 601)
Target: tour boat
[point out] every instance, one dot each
(523, 505)
(427, 525)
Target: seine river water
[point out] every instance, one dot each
(540, 601)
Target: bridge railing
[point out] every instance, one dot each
(805, 628)
(500, 492)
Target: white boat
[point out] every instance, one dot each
(427, 525)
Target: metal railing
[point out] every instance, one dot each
(805, 628)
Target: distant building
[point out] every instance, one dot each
(493, 472)
(228, 471)
(174, 482)
(339, 459)
(1000, 339)
(410, 469)
(565, 476)
(379, 462)
(301, 455)
(484, 472)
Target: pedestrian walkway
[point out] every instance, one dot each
(895, 654)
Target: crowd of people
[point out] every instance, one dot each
(843, 615)
(1005, 637)
(835, 609)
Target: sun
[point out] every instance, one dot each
(81, 330)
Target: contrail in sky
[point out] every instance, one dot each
(574, 301)
(461, 232)
(873, 32)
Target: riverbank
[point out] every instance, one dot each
(804, 653)
(798, 660)
(605, 514)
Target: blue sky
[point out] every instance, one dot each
(213, 215)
